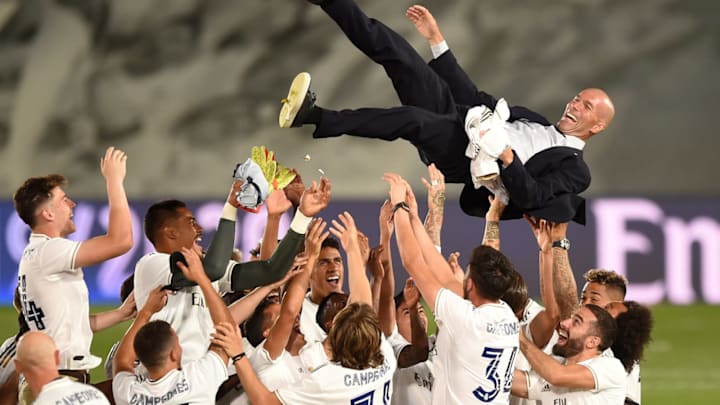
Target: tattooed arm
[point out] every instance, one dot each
(492, 224)
(436, 204)
(566, 291)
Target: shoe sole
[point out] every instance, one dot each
(291, 105)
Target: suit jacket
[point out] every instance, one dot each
(547, 186)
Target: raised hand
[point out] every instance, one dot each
(234, 193)
(457, 270)
(364, 243)
(387, 226)
(315, 236)
(129, 308)
(113, 165)
(411, 293)
(194, 270)
(425, 24)
(398, 188)
(410, 199)
(543, 231)
(277, 203)
(345, 230)
(295, 189)
(228, 337)
(494, 213)
(156, 300)
(315, 198)
(375, 262)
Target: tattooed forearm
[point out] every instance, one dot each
(564, 283)
(438, 199)
(492, 234)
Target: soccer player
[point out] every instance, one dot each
(607, 289)
(583, 375)
(170, 226)
(353, 365)
(50, 277)
(38, 360)
(158, 348)
(468, 312)
(327, 277)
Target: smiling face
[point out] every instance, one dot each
(60, 208)
(574, 333)
(402, 316)
(598, 294)
(327, 277)
(186, 231)
(587, 114)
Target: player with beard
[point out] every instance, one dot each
(580, 374)
(476, 317)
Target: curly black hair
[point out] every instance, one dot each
(634, 328)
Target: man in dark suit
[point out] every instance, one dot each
(542, 170)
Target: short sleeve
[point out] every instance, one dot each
(607, 371)
(150, 272)
(121, 386)
(535, 384)
(397, 342)
(451, 311)
(58, 255)
(208, 371)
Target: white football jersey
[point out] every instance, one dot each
(54, 298)
(476, 350)
(609, 385)
(308, 324)
(7, 355)
(185, 310)
(332, 384)
(634, 387)
(196, 383)
(532, 309)
(412, 385)
(66, 391)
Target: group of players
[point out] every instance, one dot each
(304, 340)
(211, 328)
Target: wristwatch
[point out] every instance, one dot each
(562, 244)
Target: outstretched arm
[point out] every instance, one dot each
(347, 233)
(418, 350)
(119, 238)
(492, 223)
(276, 204)
(292, 302)
(544, 324)
(229, 338)
(386, 310)
(410, 251)
(436, 204)
(566, 290)
(570, 376)
(432, 258)
(125, 356)
(124, 312)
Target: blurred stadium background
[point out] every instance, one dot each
(186, 87)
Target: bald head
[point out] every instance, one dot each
(587, 114)
(36, 350)
(604, 107)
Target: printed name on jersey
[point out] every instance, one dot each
(80, 397)
(142, 399)
(366, 377)
(503, 328)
